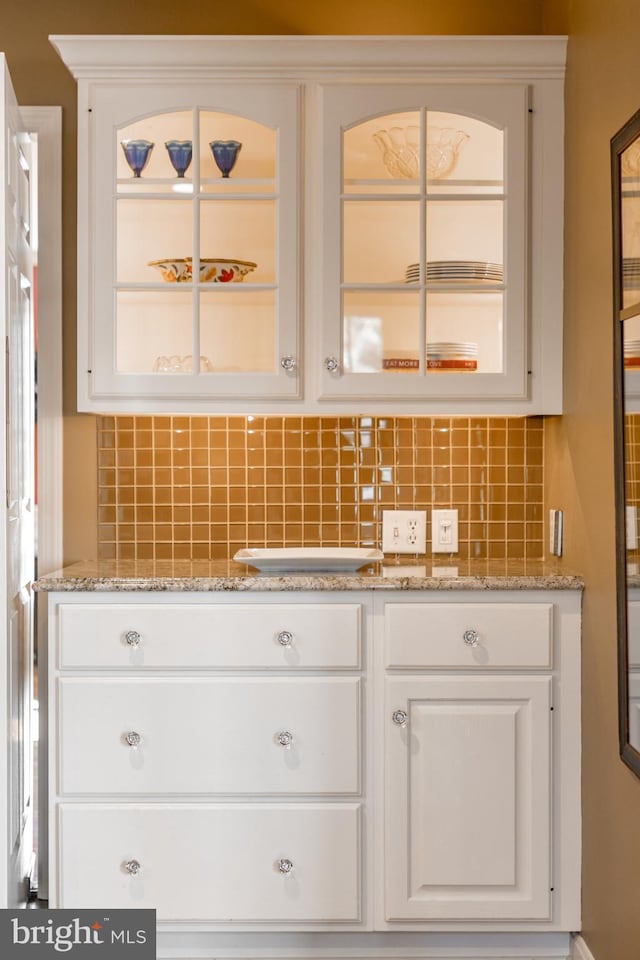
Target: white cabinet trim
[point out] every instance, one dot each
(198, 55)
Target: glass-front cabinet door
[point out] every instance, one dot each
(194, 286)
(424, 289)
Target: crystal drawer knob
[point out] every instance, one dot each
(133, 638)
(471, 638)
(288, 363)
(285, 638)
(285, 866)
(133, 739)
(284, 738)
(331, 364)
(400, 717)
(133, 867)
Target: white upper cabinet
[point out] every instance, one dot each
(296, 224)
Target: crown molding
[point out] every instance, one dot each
(185, 57)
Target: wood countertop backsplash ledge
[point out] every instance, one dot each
(176, 487)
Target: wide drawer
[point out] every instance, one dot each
(239, 635)
(468, 635)
(209, 735)
(213, 862)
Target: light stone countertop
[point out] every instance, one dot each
(124, 576)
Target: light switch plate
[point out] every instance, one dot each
(444, 531)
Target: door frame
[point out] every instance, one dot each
(46, 123)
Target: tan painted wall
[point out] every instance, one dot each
(603, 90)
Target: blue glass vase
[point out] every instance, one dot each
(180, 153)
(137, 153)
(225, 154)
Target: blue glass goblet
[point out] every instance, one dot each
(225, 154)
(180, 152)
(137, 153)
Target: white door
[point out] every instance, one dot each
(467, 822)
(17, 514)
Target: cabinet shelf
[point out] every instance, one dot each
(414, 287)
(407, 181)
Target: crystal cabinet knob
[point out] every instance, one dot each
(400, 717)
(285, 638)
(132, 637)
(285, 866)
(471, 638)
(288, 363)
(133, 739)
(132, 867)
(331, 364)
(284, 738)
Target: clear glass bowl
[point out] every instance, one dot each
(400, 148)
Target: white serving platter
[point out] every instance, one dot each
(308, 559)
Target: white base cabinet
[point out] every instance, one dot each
(376, 764)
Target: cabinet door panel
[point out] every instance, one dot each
(468, 799)
(218, 863)
(215, 735)
(149, 312)
(426, 189)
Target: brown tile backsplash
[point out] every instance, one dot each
(202, 487)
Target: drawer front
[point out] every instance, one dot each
(213, 862)
(209, 735)
(468, 635)
(239, 635)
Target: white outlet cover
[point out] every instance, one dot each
(404, 531)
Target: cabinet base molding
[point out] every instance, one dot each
(579, 949)
(172, 945)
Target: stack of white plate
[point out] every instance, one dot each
(632, 353)
(631, 272)
(455, 271)
(452, 356)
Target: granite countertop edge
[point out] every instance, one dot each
(249, 581)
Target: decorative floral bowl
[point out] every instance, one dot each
(212, 270)
(173, 271)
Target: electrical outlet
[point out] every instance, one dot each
(404, 531)
(444, 531)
